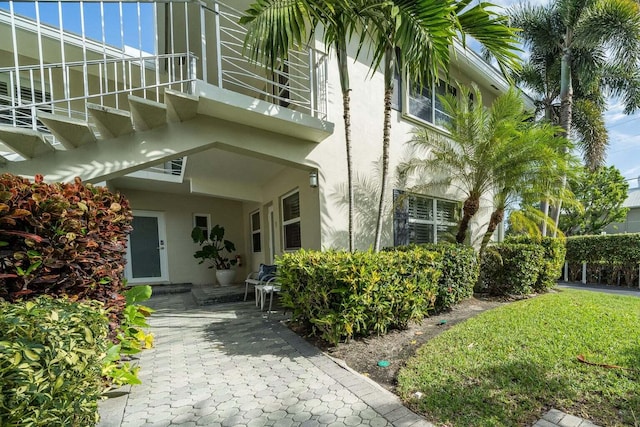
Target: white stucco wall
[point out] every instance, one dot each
(179, 210)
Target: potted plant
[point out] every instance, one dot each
(213, 248)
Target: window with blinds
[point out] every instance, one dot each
(423, 219)
(291, 221)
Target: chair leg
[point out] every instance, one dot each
(270, 303)
(246, 290)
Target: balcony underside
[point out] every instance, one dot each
(216, 118)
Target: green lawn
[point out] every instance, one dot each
(509, 365)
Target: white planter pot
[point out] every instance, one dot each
(225, 277)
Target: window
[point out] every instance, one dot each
(422, 219)
(426, 105)
(256, 239)
(291, 221)
(23, 115)
(203, 221)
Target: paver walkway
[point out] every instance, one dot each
(227, 365)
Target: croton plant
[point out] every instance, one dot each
(62, 239)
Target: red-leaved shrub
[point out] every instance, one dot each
(62, 240)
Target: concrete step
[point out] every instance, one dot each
(147, 114)
(26, 142)
(111, 122)
(72, 133)
(210, 294)
(180, 106)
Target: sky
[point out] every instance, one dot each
(624, 130)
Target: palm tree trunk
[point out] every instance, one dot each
(566, 110)
(341, 52)
(544, 205)
(470, 208)
(496, 218)
(389, 64)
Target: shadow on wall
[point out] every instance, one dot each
(366, 191)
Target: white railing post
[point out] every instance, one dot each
(566, 271)
(216, 9)
(203, 43)
(584, 273)
(193, 70)
(312, 86)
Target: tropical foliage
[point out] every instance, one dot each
(63, 240)
(602, 194)
(51, 353)
(496, 153)
(415, 37)
(581, 51)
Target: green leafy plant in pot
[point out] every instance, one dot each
(213, 248)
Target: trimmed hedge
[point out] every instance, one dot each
(511, 268)
(63, 240)
(611, 259)
(553, 259)
(51, 354)
(608, 248)
(340, 294)
(460, 270)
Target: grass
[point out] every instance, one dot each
(509, 365)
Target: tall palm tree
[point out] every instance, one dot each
(275, 26)
(594, 40)
(494, 152)
(419, 34)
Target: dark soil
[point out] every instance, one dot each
(397, 347)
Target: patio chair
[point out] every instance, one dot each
(260, 277)
(269, 287)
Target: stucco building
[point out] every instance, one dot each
(157, 101)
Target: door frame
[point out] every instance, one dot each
(272, 234)
(164, 259)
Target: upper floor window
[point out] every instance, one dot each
(291, 221)
(256, 235)
(423, 219)
(425, 103)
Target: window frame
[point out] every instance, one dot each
(403, 220)
(255, 232)
(406, 111)
(290, 221)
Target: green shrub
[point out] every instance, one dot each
(51, 351)
(341, 294)
(511, 268)
(553, 259)
(612, 259)
(62, 240)
(460, 269)
(131, 338)
(609, 249)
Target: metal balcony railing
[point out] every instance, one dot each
(68, 53)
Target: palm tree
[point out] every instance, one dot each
(492, 152)
(419, 34)
(593, 42)
(275, 26)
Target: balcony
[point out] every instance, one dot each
(65, 57)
